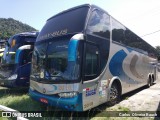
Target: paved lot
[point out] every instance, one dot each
(148, 99)
(145, 100)
(142, 100)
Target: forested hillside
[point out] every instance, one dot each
(9, 27)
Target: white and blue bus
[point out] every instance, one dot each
(83, 57)
(15, 64)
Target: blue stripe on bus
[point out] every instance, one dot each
(17, 56)
(71, 104)
(129, 49)
(116, 63)
(116, 67)
(72, 50)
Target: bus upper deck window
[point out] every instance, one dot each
(99, 24)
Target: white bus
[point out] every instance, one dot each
(83, 57)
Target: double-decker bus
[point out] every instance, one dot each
(83, 57)
(16, 60)
(2, 44)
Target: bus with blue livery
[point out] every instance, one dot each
(83, 57)
(15, 64)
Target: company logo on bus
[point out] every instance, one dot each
(90, 92)
(43, 100)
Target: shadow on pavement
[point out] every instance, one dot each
(158, 113)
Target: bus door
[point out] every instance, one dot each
(23, 60)
(95, 61)
(90, 76)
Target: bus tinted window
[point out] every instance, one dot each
(118, 32)
(29, 39)
(123, 35)
(91, 62)
(72, 21)
(99, 24)
(134, 41)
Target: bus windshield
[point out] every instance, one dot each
(11, 47)
(10, 50)
(50, 61)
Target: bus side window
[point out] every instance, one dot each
(99, 24)
(30, 56)
(91, 62)
(26, 57)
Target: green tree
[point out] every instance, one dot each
(158, 52)
(9, 27)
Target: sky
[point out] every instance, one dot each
(140, 16)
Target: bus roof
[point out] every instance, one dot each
(87, 5)
(92, 6)
(84, 5)
(34, 34)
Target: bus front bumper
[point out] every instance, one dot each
(70, 104)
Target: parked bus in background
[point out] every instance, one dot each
(2, 47)
(2, 50)
(16, 60)
(1, 53)
(2, 44)
(83, 57)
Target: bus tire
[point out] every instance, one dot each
(114, 95)
(153, 79)
(150, 82)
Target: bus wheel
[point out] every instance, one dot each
(114, 95)
(150, 82)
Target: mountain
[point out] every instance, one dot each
(9, 27)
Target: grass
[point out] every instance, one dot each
(126, 98)
(125, 109)
(19, 99)
(20, 102)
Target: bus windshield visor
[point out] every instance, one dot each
(68, 22)
(52, 62)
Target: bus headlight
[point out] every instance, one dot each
(68, 94)
(13, 77)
